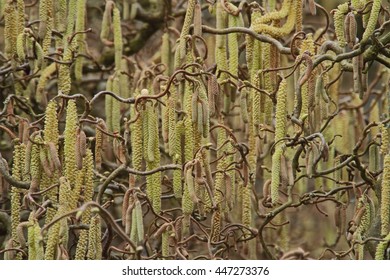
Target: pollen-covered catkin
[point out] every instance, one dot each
(70, 141)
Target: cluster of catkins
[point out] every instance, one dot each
(215, 142)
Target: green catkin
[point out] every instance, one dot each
(381, 248)
(171, 123)
(106, 21)
(280, 131)
(151, 153)
(60, 11)
(338, 19)
(45, 75)
(177, 157)
(136, 143)
(108, 103)
(246, 206)
(371, 24)
(276, 15)
(233, 46)
(124, 80)
(166, 54)
(244, 105)
(152, 137)
(366, 16)
(256, 105)
(93, 238)
(220, 50)
(267, 102)
(180, 50)
(72, 9)
(30, 238)
(165, 243)
(115, 106)
(139, 220)
(20, 43)
(373, 155)
(70, 142)
(58, 232)
(116, 21)
(82, 243)
(134, 231)
(385, 196)
(43, 18)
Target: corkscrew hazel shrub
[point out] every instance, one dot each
(237, 125)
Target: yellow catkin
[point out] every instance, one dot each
(372, 21)
(80, 38)
(10, 29)
(385, 196)
(282, 31)
(216, 225)
(21, 15)
(92, 239)
(70, 142)
(64, 79)
(35, 166)
(20, 43)
(17, 173)
(246, 207)
(46, 25)
(276, 15)
(116, 21)
(385, 139)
